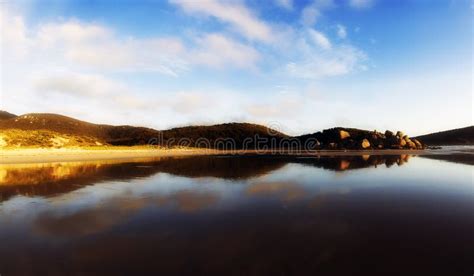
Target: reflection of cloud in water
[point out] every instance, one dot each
(84, 222)
(286, 191)
(118, 210)
(188, 201)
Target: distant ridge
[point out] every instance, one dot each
(459, 136)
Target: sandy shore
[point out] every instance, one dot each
(13, 156)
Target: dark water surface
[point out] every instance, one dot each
(363, 215)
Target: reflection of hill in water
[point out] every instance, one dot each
(57, 178)
(459, 158)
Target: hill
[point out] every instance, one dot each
(459, 136)
(54, 122)
(224, 136)
(41, 128)
(5, 115)
(53, 130)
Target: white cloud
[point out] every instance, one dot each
(279, 108)
(361, 4)
(185, 102)
(117, 95)
(71, 32)
(86, 46)
(216, 50)
(97, 47)
(318, 58)
(311, 13)
(13, 35)
(76, 84)
(341, 31)
(231, 12)
(340, 61)
(287, 4)
(320, 39)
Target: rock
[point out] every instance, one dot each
(411, 145)
(365, 144)
(349, 144)
(418, 144)
(350, 139)
(390, 142)
(388, 134)
(403, 159)
(344, 165)
(408, 142)
(332, 135)
(344, 134)
(402, 142)
(376, 140)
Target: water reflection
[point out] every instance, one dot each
(52, 178)
(286, 191)
(459, 157)
(354, 162)
(238, 216)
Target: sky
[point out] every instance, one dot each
(297, 66)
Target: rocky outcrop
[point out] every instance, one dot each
(348, 138)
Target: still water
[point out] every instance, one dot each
(382, 215)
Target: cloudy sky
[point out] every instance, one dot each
(299, 66)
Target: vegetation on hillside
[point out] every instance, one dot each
(16, 138)
(223, 136)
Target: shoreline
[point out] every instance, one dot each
(43, 155)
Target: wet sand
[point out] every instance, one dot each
(18, 156)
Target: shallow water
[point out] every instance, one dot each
(384, 215)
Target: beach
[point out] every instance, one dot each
(45, 155)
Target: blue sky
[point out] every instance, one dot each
(299, 66)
